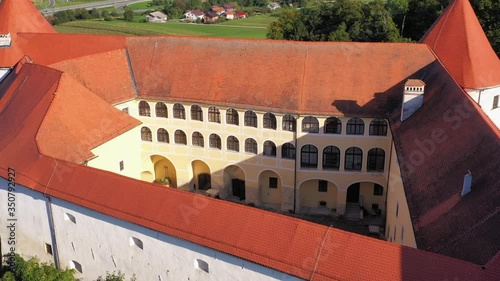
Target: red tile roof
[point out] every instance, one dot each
(414, 82)
(447, 137)
(460, 42)
(78, 121)
(19, 16)
(106, 74)
(304, 249)
(69, 46)
(324, 78)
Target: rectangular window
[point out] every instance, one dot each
(48, 249)
(273, 182)
(378, 189)
(402, 233)
(495, 102)
(122, 166)
(322, 186)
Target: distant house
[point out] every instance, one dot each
(241, 15)
(230, 15)
(156, 17)
(229, 7)
(274, 6)
(217, 9)
(194, 15)
(210, 17)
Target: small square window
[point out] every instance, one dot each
(48, 249)
(273, 182)
(122, 166)
(322, 203)
(125, 110)
(495, 102)
(322, 186)
(378, 189)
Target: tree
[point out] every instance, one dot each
(106, 15)
(420, 16)
(128, 15)
(95, 13)
(284, 27)
(34, 270)
(114, 276)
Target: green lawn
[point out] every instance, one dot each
(144, 5)
(121, 27)
(257, 21)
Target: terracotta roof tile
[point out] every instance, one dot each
(459, 41)
(78, 121)
(447, 137)
(290, 245)
(106, 74)
(69, 46)
(325, 78)
(414, 82)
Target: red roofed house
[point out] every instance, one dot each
(90, 124)
(241, 15)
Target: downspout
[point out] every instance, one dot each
(52, 232)
(295, 166)
(388, 179)
(479, 98)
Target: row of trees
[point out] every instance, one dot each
(376, 21)
(80, 14)
(33, 270)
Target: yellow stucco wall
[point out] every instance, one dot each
(290, 174)
(399, 224)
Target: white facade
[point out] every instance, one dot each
(489, 104)
(101, 243)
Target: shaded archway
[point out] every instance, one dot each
(369, 195)
(317, 196)
(270, 189)
(164, 168)
(234, 181)
(201, 175)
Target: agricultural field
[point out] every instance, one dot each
(121, 27)
(42, 4)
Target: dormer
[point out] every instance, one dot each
(5, 40)
(413, 97)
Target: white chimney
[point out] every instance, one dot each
(413, 97)
(5, 40)
(466, 188)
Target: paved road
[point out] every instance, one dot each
(89, 6)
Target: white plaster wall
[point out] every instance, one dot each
(101, 243)
(485, 98)
(32, 225)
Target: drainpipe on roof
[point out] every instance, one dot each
(52, 232)
(295, 167)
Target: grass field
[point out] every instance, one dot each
(121, 27)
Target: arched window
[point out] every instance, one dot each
(179, 112)
(333, 125)
(197, 139)
(213, 114)
(310, 125)
(378, 127)
(146, 134)
(162, 135)
(331, 157)
(376, 160)
(215, 141)
(269, 149)
(288, 151)
(250, 119)
(269, 121)
(232, 117)
(251, 146)
(289, 123)
(233, 143)
(309, 156)
(144, 109)
(353, 159)
(196, 113)
(355, 126)
(161, 110)
(180, 137)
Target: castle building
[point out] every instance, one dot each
(403, 131)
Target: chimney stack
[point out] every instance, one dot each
(413, 97)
